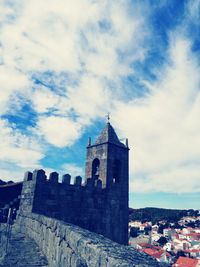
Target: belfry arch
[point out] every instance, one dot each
(95, 168)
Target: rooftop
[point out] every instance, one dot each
(108, 135)
(185, 262)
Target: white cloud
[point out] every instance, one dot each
(18, 149)
(163, 127)
(90, 98)
(42, 37)
(59, 131)
(73, 169)
(12, 81)
(12, 175)
(91, 42)
(192, 10)
(94, 43)
(44, 99)
(178, 179)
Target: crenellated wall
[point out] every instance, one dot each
(89, 206)
(75, 225)
(69, 245)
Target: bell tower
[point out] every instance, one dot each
(108, 160)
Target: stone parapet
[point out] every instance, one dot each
(68, 245)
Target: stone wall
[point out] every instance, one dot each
(66, 245)
(88, 205)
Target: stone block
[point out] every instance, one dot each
(89, 183)
(66, 179)
(78, 180)
(53, 177)
(98, 185)
(39, 175)
(28, 176)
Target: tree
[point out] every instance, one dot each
(147, 229)
(2, 182)
(180, 253)
(134, 232)
(162, 240)
(160, 228)
(177, 226)
(191, 224)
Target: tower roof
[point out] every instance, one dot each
(108, 135)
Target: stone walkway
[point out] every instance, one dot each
(23, 252)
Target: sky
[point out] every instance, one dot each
(64, 65)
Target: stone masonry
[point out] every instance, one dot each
(67, 245)
(80, 224)
(22, 251)
(100, 204)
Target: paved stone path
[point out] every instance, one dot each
(23, 252)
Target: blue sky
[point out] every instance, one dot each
(65, 65)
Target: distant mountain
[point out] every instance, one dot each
(9, 197)
(8, 192)
(2, 182)
(159, 214)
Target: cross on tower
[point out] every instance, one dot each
(108, 117)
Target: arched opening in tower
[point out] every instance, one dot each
(95, 168)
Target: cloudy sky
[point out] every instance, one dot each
(64, 64)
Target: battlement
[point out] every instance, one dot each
(87, 205)
(39, 176)
(99, 204)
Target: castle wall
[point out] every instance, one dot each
(89, 206)
(68, 245)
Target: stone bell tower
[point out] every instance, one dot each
(108, 160)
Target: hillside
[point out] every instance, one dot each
(8, 192)
(159, 214)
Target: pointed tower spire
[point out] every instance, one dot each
(108, 135)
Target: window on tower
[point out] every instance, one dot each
(95, 168)
(116, 171)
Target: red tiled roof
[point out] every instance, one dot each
(192, 250)
(149, 251)
(168, 254)
(175, 235)
(158, 254)
(155, 253)
(147, 245)
(185, 262)
(195, 235)
(144, 245)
